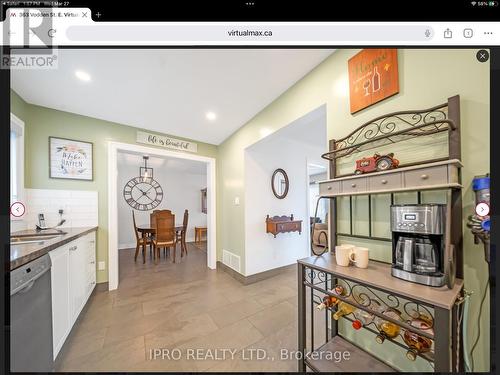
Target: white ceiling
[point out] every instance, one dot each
(132, 159)
(307, 134)
(169, 90)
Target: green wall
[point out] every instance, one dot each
(427, 78)
(41, 122)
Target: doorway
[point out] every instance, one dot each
(318, 210)
(291, 148)
(147, 183)
(114, 149)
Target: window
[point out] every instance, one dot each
(16, 159)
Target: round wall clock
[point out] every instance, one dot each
(143, 194)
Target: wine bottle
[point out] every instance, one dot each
(375, 80)
(387, 328)
(365, 317)
(417, 343)
(330, 301)
(343, 309)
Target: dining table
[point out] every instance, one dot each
(146, 229)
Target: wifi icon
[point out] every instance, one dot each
(473, 3)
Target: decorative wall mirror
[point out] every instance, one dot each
(280, 183)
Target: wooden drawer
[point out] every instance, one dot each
(385, 182)
(282, 224)
(358, 185)
(288, 227)
(427, 176)
(327, 188)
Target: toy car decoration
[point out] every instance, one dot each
(376, 162)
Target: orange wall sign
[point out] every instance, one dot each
(373, 76)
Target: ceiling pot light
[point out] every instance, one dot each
(83, 76)
(211, 116)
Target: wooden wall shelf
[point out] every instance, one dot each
(282, 224)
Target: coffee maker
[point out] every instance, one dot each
(418, 243)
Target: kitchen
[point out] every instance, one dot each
(81, 248)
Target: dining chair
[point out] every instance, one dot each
(165, 234)
(140, 241)
(181, 237)
(152, 224)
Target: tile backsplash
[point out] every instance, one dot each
(79, 206)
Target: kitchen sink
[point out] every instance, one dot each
(34, 238)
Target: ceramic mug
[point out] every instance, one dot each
(359, 256)
(342, 254)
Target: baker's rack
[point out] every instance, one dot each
(318, 276)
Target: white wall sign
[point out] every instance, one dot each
(167, 142)
(70, 159)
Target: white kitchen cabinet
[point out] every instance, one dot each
(88, 241)
(82, 273)
(61, 324)
(73, 280)
(77, 275)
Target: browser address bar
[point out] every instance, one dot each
(200, 33)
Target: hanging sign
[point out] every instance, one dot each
(167, 142)
(373, 76)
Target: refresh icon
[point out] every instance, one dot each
(51, 33)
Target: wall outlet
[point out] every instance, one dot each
(101, 265)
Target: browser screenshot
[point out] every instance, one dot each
(249, 187)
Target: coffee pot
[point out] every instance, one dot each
(418, 243)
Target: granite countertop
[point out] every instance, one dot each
(24, 253)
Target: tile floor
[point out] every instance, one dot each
(200, 319)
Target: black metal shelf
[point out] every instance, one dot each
(315, 276)
(392, 128)
(359, 360)
(385, 130)
(394, 301)
(372, 328)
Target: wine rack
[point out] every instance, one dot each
(362, 297)
(319, 276)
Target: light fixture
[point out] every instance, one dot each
(83, 76)
(144, 172)
(211, 116)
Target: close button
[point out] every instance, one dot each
(482, 55)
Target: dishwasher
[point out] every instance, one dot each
(31, 317)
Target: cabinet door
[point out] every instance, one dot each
(77, 261)
(90, 248)
(61, 323)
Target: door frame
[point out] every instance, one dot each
(113, 148)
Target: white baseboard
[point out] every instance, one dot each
(123, 246)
